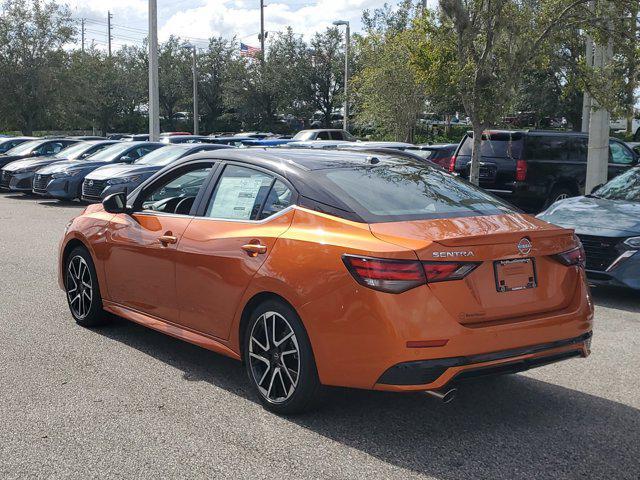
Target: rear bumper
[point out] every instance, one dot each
(413, 375)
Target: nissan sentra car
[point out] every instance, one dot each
(18, 175)
(336, 268)
(608, 223)
(63, 180)
(35, 148)
(120, 177)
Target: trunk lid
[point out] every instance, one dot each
(476, 300)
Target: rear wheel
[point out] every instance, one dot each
(279, 360)
(83, 291)
(559, 193)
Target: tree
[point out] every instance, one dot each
(175, 78)
(215, 65)
(389, 93)
(326, 72)
(493, 43)
(32, 59)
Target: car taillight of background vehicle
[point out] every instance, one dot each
(521, 170)
(574, 257)
(397, 276)
(452, 164)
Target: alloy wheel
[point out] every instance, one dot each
(562, 196)
(274, 357)
(79, 287)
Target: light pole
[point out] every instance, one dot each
(154, 92)
(196, 115)
(345, 120)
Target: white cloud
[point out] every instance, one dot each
(202, 19)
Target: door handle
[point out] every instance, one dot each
(168, 240)
(254, 249)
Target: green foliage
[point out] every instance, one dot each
(32, 61)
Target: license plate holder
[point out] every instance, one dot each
(515, 274)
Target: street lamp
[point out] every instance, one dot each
(196, 119)
(338, 23)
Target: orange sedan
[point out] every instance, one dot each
(340, 268)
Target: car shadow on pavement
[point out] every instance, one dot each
(618, 298)
(506, 427)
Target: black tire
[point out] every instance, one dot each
(559, 193)
(307, 390)
(82, 289)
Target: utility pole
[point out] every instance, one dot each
(598, 154)
(262, 30)
(109, 36)
(154, 92)
(347, 48)
(82, 27)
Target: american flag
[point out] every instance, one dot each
(248, 51)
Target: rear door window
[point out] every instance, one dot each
(323, 136)
(240, 194)
(552, 148)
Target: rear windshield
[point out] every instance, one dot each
(407, 190)
(498, 145)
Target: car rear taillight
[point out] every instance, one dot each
(397, 276)
(573, 257)
(392, 276)
(452, 164)
(521, 170)
(444, 271)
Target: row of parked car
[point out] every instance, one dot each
(534, 170)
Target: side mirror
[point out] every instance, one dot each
(127, 159)
(115, 203)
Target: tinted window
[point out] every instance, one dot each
(323, 136)
(577, 149)
(279, 198)
(401, 190)
(240, 194)
(620, 154)
(548, 148)
(498, 145)
(176, 194)
(50, 148)
(623, 187)
(8, 145)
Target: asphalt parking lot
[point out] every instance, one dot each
(127, 402)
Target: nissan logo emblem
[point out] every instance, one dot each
(91, 184)
(524, 246)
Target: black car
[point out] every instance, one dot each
(440, 154)
(8, 143)
(35, 148)
(18, 175)
(533, 169)
(120, 177)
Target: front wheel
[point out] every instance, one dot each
(279, 360)
(83, 291)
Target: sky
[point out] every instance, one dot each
(198, 20)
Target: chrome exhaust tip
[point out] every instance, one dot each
(445, 396)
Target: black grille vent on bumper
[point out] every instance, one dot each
(5, 179)
(92, 189)
(600, 251)
(40, 183)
